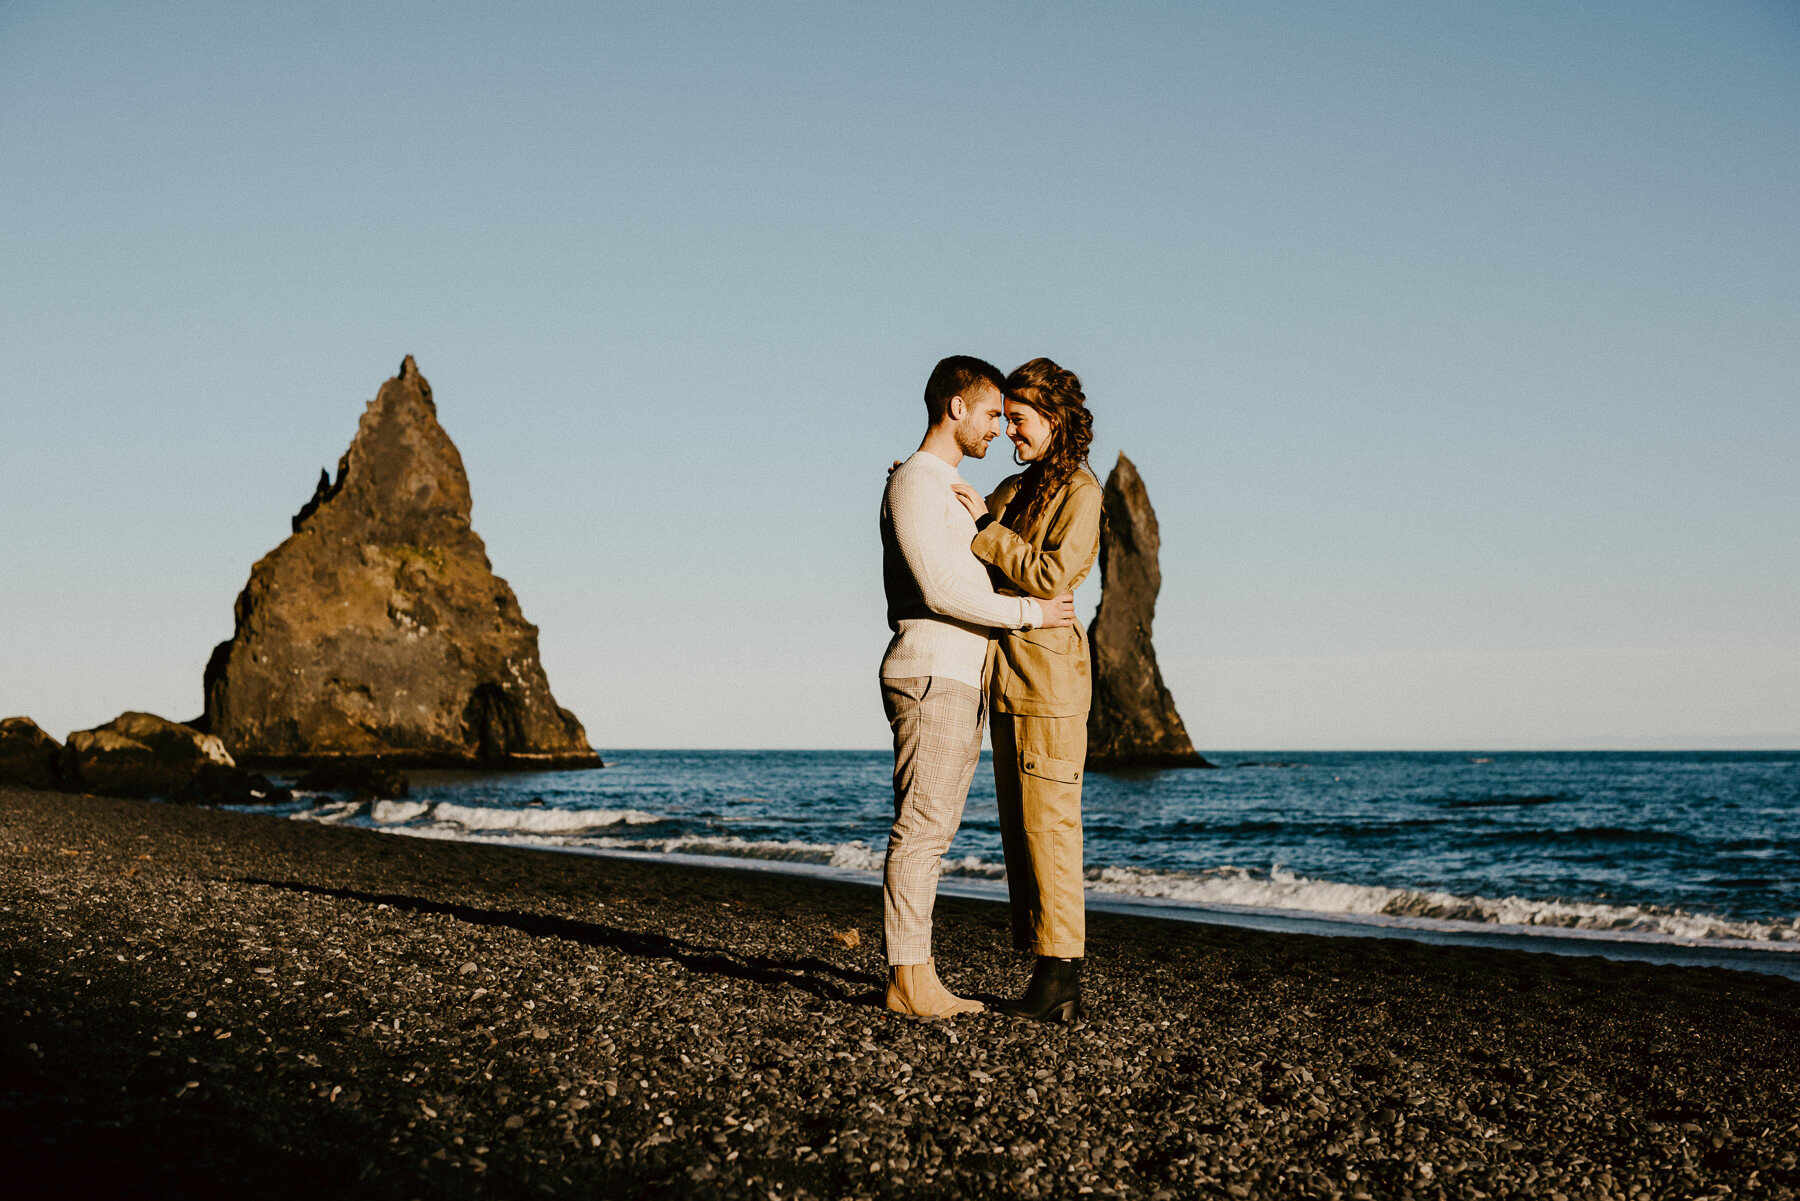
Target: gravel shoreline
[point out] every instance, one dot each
(202, 1003)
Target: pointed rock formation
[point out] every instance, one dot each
(378, 632)
(1133, 722)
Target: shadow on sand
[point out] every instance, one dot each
(826, 981)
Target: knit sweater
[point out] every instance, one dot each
(941, 605)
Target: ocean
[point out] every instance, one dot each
(1671, 856)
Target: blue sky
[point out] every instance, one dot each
(1456, 343)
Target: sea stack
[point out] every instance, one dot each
(1133, 722)
(378, 632)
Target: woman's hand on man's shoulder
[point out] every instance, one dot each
(971, 500)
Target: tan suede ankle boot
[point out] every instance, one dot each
(915, 991)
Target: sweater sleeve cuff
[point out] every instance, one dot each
(1032, 612)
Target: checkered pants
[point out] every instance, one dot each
(937, 743)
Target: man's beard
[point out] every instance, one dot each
(970, 441)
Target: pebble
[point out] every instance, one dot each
(655, 1030)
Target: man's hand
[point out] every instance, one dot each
(972, 500)
(1059, 612)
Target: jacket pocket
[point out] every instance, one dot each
(1061, 640)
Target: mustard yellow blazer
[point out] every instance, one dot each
(1042, 673)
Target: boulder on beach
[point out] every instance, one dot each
(141, 754)
(378, 633)
(363, 781)
(1133, 722)
(28, 756)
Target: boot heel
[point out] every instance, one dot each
(1053, 995)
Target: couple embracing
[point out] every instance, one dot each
(980, 599)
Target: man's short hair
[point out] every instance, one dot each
(957, 376)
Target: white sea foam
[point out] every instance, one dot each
(535, 820)
(856, 856)
(451, 819)
(1236, 886)
(1278, 889)
(974, 866)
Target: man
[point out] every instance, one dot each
(941, 607)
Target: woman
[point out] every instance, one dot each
(1039, 534)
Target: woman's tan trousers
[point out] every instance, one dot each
(1037, 781)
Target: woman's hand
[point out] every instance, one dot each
(972, 500)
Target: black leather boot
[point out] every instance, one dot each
(1054, 994)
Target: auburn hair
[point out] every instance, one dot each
(1055, 392)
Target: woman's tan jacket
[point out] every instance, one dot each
(1042, 673)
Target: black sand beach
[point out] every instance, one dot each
(200, 1003)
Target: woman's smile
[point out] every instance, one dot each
(1028, 429)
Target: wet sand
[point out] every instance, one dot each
(201, 1003)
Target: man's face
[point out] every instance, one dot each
(983, 409)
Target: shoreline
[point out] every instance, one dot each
(1635, 946)
(1776, 956)
(423, 1017)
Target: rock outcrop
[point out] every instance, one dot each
(141, 754)
(1133, 722)
(28, 756)
(362, 782)
(378, 633)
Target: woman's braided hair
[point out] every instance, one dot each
(1056, 393)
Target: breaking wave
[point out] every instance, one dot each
(530, 820)
(1278, 889)
(452, 816)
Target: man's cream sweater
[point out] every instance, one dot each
(940, 603)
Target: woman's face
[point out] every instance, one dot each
(1029, 430)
